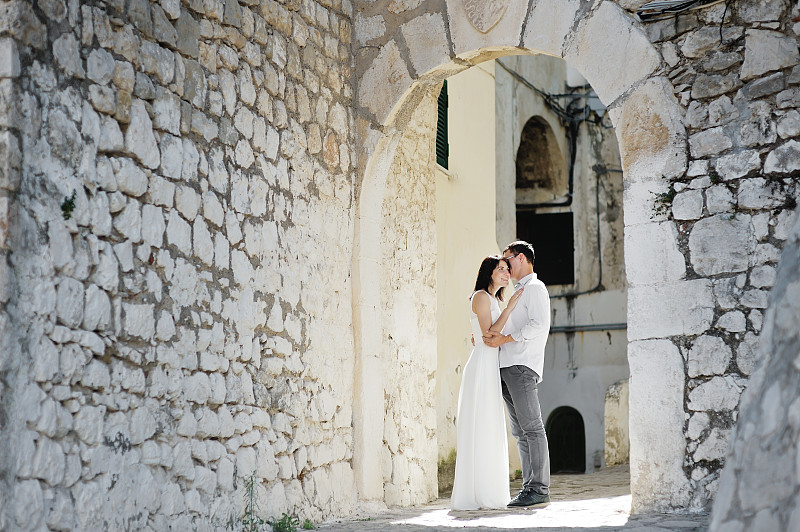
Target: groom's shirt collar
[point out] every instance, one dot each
(525, 280)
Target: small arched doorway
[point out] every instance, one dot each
(566, 441)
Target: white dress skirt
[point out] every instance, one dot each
(481, 479)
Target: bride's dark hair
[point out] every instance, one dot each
(485, 274)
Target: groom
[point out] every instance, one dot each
(521, 364)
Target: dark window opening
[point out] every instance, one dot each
(442, 146)
(566, 441)
(553, 243)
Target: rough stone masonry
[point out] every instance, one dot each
(179, 187)
(175, 233)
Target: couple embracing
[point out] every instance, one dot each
(505, 366)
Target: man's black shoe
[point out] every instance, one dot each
(528, 497)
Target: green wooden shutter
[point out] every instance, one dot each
(442, 146)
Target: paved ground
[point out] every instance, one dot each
(598, 502)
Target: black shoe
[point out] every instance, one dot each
(528, 497)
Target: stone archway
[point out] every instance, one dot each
(609, 48)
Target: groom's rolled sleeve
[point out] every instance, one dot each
(538, 306)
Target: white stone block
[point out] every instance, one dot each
(368, 28)
(374, 92)
(738, 164)
(129, 221)
(709, 142)
(719, 199)
(100, 66)
(714, 447)
(709, 355)
(758, 193)
(722, 244)
(187, 201)
(427, 42)
(677, 308)
(732, 321)
(605, 61)
(205, 480)
(66, 52)
(143, 425)
(89, 424)
(139, 139)
(139, 320)
(69, 302)
(171, 156)
(179, 233)
(212, 209)
(766, 51)
(653, 139)
(789, 125)
(167, 113)
(687, 205)
(9, 58)
(153, 225)
(718, 394)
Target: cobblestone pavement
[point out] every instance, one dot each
(599, 501)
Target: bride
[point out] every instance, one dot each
(481, 478)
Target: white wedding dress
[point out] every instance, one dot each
(481, 479)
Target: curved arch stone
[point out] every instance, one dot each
(549, 24)
(611, 52)
(650, 132)
(384, 83)
(505, 35)
(427, 43)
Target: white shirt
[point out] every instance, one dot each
(528, 325)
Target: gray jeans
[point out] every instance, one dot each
(521, 395)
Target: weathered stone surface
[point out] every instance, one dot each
(719, 393)
(721, 244)
(758, 193)
(709, 142)
(681, 307)
(663, 396)
(738, 164)
(100, 66)
(709, 355)
(139, 139)
(687, 205)
(428, 46)
(783, 159)
(719, 199)
(67, 54)
(660, 239)
(703, 40)
(766, 51)
(708, 86)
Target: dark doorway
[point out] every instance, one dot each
(552, 238)
(566, 441)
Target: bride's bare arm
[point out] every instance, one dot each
(482, 306)
(501, 321)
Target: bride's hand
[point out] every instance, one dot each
(515, 297)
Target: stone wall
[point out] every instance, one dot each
(175, 243)
(759, 485)
(408, 286)
(720, 226)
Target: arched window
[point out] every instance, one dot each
(542, 182)
(541, 168)
(566, 441)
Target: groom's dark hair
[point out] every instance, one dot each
(520, 246)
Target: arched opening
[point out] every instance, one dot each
(658, 143)
(541, 172)
(566, 441)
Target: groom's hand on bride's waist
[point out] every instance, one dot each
(495, 339)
